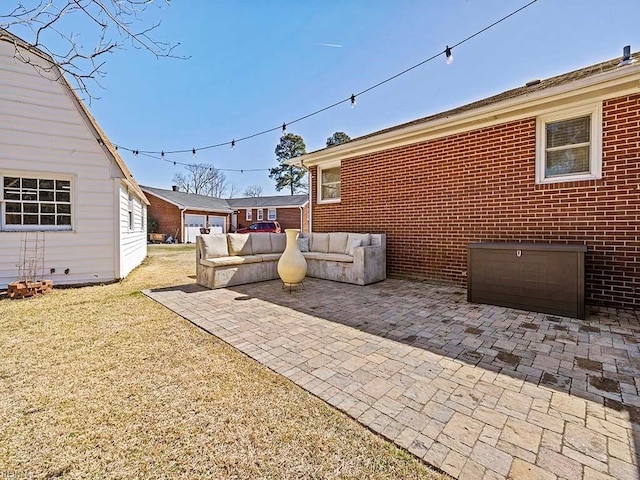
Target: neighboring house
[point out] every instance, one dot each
(182, 215)
(291, 211)
(60, 177)
(555, 161)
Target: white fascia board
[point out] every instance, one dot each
(612, 84)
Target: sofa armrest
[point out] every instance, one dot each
(371, 263)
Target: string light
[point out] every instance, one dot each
(162, 154)
(351, 99)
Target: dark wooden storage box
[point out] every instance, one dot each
(537, 277)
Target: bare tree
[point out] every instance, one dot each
(234, 190)
(203, 179)
(253, 191)
(106, 26)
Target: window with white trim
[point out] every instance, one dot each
(329, 184)
(249, 215)
(272, 214)
(131, 208)
(569, 145)
(260, 214)
(30, 203)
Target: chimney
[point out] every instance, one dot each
(175, 188)
(626, 56)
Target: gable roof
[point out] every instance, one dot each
(281, 201)
(190, 201)
(91, 122)
(481, 113)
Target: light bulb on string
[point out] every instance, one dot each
(284, 128)
(193, 152)
(353, 101)
(447, 52)
(233, 144)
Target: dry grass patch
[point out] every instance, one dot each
(102, 382)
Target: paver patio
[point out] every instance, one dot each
(478, 391)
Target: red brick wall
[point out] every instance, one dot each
(288, 217)
(166, 214)
(433, 198)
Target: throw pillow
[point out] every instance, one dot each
(354, 244)
(303, 244)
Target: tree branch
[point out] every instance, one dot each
(80, 64)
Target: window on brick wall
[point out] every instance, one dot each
(329, 183)
(568, 146)
(260, 214)
(272, 214)
(249, 216)
(29, 203)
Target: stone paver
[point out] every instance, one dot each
(479, 391)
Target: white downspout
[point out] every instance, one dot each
(182, 232)
(310, 199)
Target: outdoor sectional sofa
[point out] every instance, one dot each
(224, 260)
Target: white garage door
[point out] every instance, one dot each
(192, 226)
(217, 224)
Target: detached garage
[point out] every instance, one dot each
(182, 215)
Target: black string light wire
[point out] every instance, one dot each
(351, 99)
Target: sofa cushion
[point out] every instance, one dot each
(303, 244)
(331, 257)
(260, 243)
(355, 243)
(239, 244)
(365, 240)
(214, 246)
(319, 242)
(278, 242)
(338, 242)
(233, 260)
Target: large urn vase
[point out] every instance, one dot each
(292, 266)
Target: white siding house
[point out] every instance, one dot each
(59, 176)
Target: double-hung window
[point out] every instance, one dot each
(569, 145)
(272, 214)
(260, 214)
(34, 203)
(329, 183)
(249, 215)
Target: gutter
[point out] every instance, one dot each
(600, 86)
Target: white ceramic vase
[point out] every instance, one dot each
(292, 266)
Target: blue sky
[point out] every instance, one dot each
(256, 64)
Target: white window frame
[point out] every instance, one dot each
(39, 176)
(595, 148)
(131, 211)
(260, 215)
(272, 214)
(328, 166)
(249, 215)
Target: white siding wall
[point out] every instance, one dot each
(42, 134)
(133, 241)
